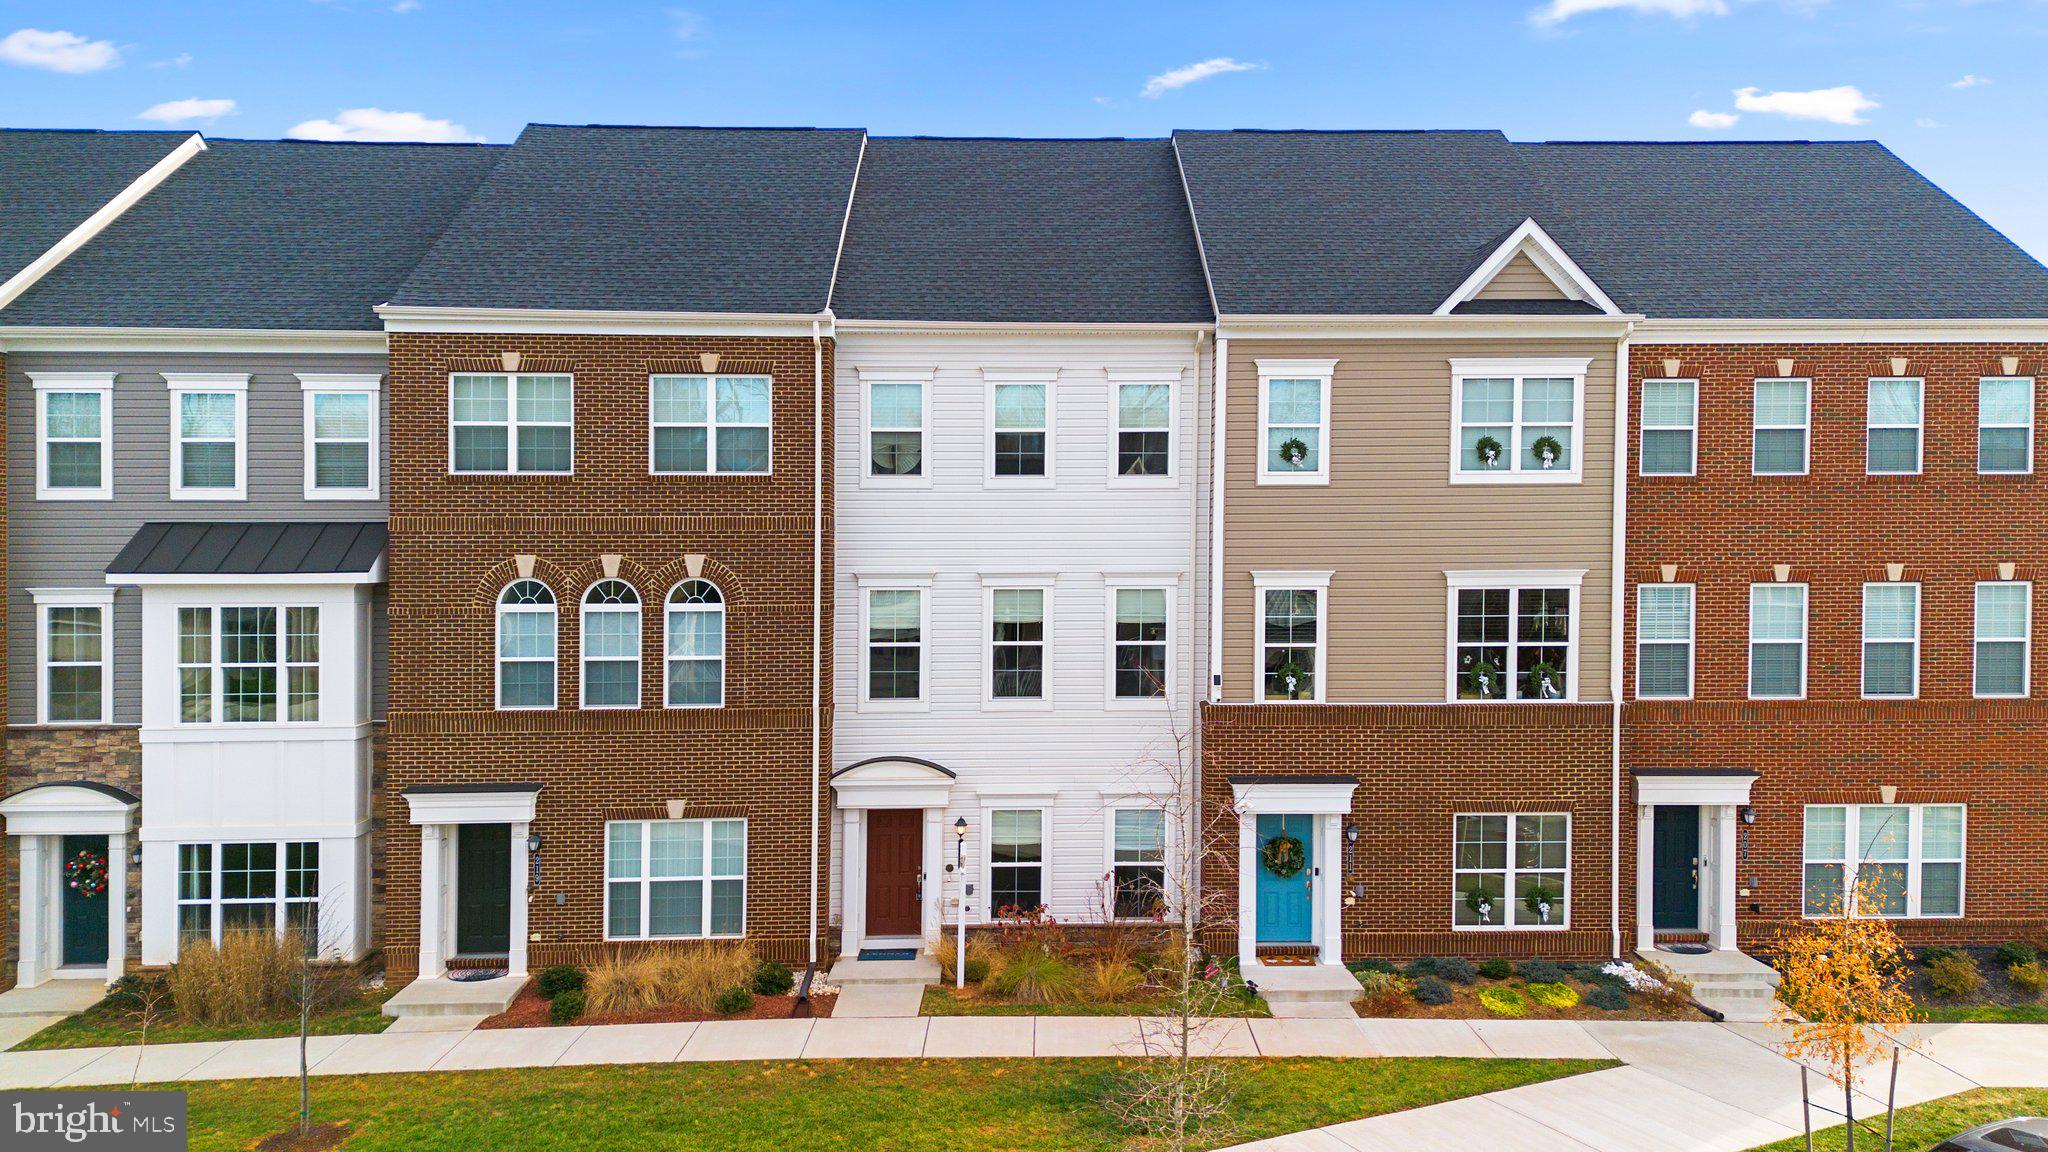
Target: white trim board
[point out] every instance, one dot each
(1550, 259)
(96, 223)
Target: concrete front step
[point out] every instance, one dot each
(853, 971)
(1305, 991)
(445, 997)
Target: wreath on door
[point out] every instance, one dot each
(87, 874)
(1284, 857)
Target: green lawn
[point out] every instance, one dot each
(865, 1105)
(939, 1001)
(1929, 1124)
(1985, 1013)
(100, 1025)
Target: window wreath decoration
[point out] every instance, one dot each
(1547, 450)
(1488, 450)
(1479, 904)
(86, 873)
(1291, 676)
(1539, 902)
(1293, 451)
(1284, 856)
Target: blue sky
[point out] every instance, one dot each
(1955, 87)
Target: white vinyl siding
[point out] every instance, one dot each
(1781, 423)
(1901, 861)
(1670, 427)
(1664, 641)
(2005, 425)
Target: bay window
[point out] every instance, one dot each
(248, 665)
(249, 887)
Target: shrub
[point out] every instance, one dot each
(1608, 998)
(773, 978)
(560, 978)
(1112, 978)
(1455, 969)
(1377, 984)
(1031, 974)
(1360, 967)
(626, 984)
(1554, 995)
(1929, 956)
(130, 992)
(1420, 966)
(1496, 969)
(1540, 972)
(1600, 973)
(1432, 991)
(693, 977)
(248, 978)
(977, 961)
(733, 1001)
(2015, 952)
(1503, 1000)
(2029, 978)
(1953, 976)
(567, 1005)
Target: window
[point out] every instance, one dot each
(1670, 427)
(1138, 862)
(1900, 860)
(667, 879)
(260, 887)
(611, 645)
(2004, 632)
(896, 407)
(1664, 635)
(1138, 628)
(526, 645)
(1016, 862)
(2005, 424)
(894, 621)
(1291, 634)
(341, 436)
(1891, 640)
(209, 422)
(248, 665)
(1512, 640)
(1892, 444)
(1017, 627)
(1020, 427)
(511, 424)
(1777, 641)
(696, 645)
(1144, 428)
(1511, 870)
(74, 654)
(74, 435)
(1294, 421)
(709, 424)
(1516, 421)
(1779, 429)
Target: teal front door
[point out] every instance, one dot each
(85, 917)
(1283, 901)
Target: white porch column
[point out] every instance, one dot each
(515, 960)
(853, 881)
(932, 870)
(1247, 891)
(1724, 876)
(117, 904)
(32, 968)
(1646, 831)
(1329, 889)
(432, 962)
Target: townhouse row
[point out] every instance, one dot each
(1377, 543)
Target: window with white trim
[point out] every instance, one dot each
(1138, 642)
(1019, 430)
(1664, 641)
(74, 656)
(1294, 421)
(1517, 421)
(703, 425)
(2004, 637)
(1891, 640)
(1780, 423)
(1138, 862)
(1511, 870)
(1017, 628)
(896, 416)
(511, 424)
(209, 437)
(675, 879)
(249, 887)
(74, 435)
(1898, 860)
(1670, 428)
(526, 645)
(1777, 641)
(1291, 643)
(1016, 861)
(1892, 426)
(2005, 424)
(1513, 642)
(248, 665)
(1144, 429)
(340, 436)
(696, 645)
(611, 645)
(893, 619)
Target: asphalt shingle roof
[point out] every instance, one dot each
(233, 548)
(51, 180)
(649, 220)
(1020, 231)
(277, 234)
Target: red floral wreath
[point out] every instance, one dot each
(87, 873)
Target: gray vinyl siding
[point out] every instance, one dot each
(68, 544)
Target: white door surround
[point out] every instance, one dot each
(888, 782)
(40, 816)
(1327, 798)
(439, 810)
(1720, 794)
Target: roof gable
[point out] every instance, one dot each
(59, 189)
(1529, 249)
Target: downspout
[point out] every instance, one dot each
(1616, 611)
(1220, 427)
(822, 395)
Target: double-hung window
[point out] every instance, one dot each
(1891, 641)
(675, 879)
(1294, 421)
(611, 645)
(709, 424)
(1510, 870)
(248, 665)
(1018, 624)
(341, 436)
(1138, 642)
(896, 403)
(1780, 422)
(74, 435)
(74, 655)
(1020, 424)
(1144, 426)
(526, 645)
(1517, 421)
(1512, 635)
(1016, 861)
(249, 887)
(1892, 432)
(2005, 424)
(1889, 860)
(1138, 862)
(892, 651)
(1664, 641)
(209, 436)
(696, 645)
(1292, 634)
(1777, 641)
(1670, 427)
(2004, 634)
(511, 423)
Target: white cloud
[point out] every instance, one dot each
(404, 6)
(58, 51)
(1706, 119)
(377, 124)
(1558, 11)
(1970, 81)
(181, 60)
(182, 111)
(1166, 82)
(1842, 105)
(1102, 100)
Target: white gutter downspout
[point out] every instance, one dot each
(1220, 427)
(1617, 610)
(821, 397)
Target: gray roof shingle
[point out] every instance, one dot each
(167, 548)
(629, 219)
(51, 180)
(1020, 231)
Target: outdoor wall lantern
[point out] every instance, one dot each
(533, 867)
(960, 842)
(1748, 814)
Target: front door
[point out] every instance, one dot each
(1675, 868)
(1283, 892)
(84, 913)
(483, 890)
(895, 863)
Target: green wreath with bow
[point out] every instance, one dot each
(1284, 856)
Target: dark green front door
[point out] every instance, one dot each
(85, 917)
(1675, 868)
(483, 889)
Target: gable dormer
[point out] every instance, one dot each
(1530, 269)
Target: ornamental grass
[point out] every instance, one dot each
(246, 979)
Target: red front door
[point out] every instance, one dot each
(895, 857)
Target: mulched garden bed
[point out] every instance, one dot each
(1996, 999)
(1465, 1004)
(530, 1010)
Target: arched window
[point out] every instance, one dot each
(696, 645)
(526, 645)
(611, 645)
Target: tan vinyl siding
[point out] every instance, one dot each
(1390, 522)
(1520, 280)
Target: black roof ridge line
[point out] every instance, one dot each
(1686, 143)
(352, 143)
(1034, 139)
(702, 127)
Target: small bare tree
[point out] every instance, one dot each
(149, 996)
(316, 986)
